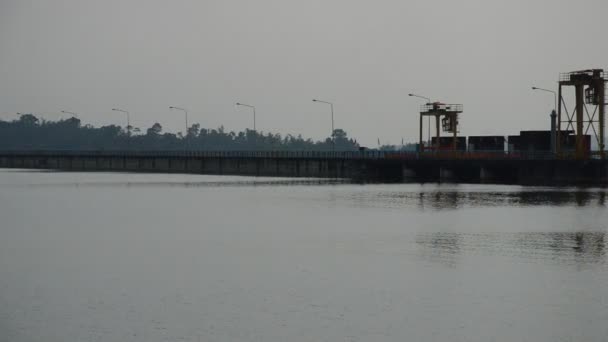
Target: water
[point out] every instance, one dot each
(152, 257)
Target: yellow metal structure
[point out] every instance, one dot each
(588, 112)
(447, 115)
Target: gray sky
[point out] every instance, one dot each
(365, 56)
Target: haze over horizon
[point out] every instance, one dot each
(144, 56)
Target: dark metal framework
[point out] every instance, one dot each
(588, 113)
(447, 115)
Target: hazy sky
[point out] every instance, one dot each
(365, 56)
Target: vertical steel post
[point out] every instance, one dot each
(429, 136)
(558, 143)
(420, 146)
(601, 88)
(580, 108)
(553, 131)
(128, 125)
(333, 130)
(437, 145)
(455, 127)
(186, 112)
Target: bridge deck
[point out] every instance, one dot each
(442, 155)
(474, 167)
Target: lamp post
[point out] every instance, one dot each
(71, 113)
(128, 119)
(250, 106)
(186, 113)
(428, 101)
(553, 119)
(548, 91)
(331, 106)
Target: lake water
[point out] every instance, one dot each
(154, 257)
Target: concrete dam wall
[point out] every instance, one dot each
(212, 165)
(371, 166)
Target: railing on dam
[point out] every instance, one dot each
(206, 154)
(367, 155)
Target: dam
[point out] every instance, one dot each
(453, 166)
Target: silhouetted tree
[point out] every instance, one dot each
(155, 130)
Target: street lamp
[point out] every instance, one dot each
(554, 134)
(331, 105)
(186, 113)
(71, 113)
(250, 106)
(428, 101)
(128, 119)
(548, 91)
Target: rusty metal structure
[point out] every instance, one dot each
(446, 119)
(588, 113)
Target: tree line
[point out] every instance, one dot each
(30, 133)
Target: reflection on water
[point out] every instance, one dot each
(441, 199)
(185, 184)
(580, 248)
(153, 257)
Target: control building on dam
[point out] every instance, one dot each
(561, 155)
